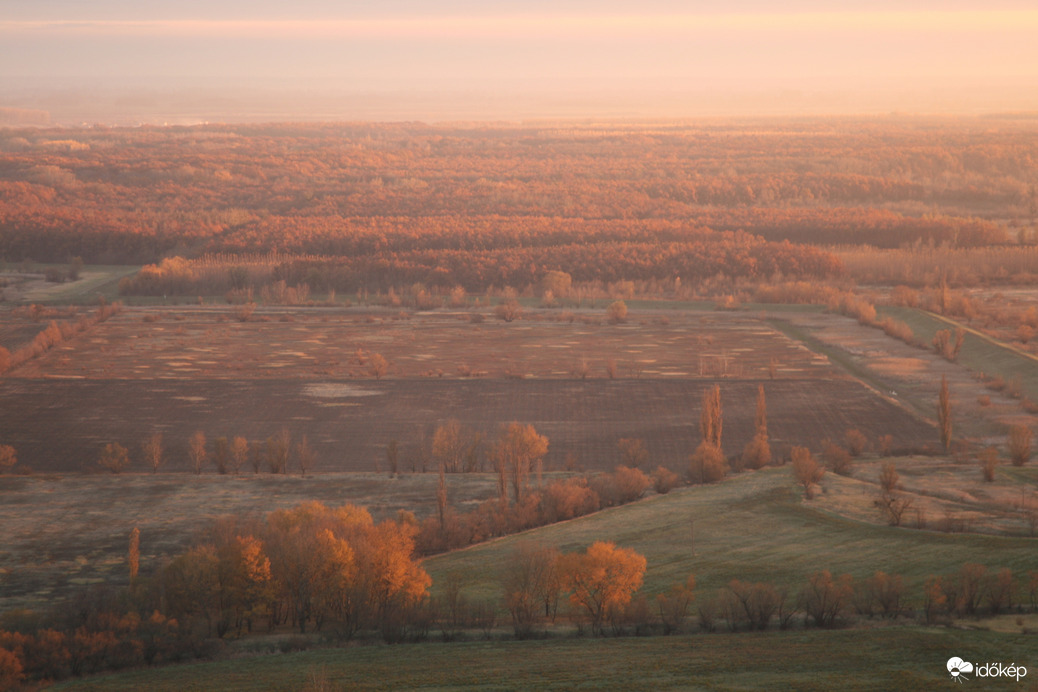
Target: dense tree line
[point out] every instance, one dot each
(732, 254)
(137, 195)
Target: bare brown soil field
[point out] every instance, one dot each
(64, 531)
(61, 425)
(309, 343)
(182, 370)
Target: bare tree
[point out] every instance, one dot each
(532, 581)
(277, 451)
(305, 456)
(196, 451)
(152, 449)
(894, 507)
(710, 419)
(988, 463)
(837, 458)
(757, 453)
(856, 442)
(221, 455)
(378, 365)
(1019, 444)
(582, 368)
(392, 457)
(517, 449)
(449, 446)
(441, 500)
(889, 478)
(806, 470)
(633, 452)
(239, 453)
(134, 553)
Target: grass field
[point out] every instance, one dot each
(752, 527)
(95, 280)
(979, 353)
(898, 658)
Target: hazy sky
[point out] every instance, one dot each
(496, 46)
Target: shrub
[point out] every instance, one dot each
(114, 458)
(856, 442)
(888, 477)
(988, 463)
(837, 458)
(707, 464)
(806, 470)
(632, 452)
(630, 483)
(664, 480)
(616, 312)
(757, 453)
(508, 310)
(8, 458)
(1019, 444)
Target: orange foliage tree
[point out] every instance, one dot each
(517, 449)
(602, 579)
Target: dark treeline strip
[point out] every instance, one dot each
(729, 254)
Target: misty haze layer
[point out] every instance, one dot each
(515, 59)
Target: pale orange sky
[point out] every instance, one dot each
(858, 48)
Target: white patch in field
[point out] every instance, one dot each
(334, 390)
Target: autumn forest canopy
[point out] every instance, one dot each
(370, 206)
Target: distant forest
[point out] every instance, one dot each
(486, 205)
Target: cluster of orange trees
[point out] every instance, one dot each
(306, 567)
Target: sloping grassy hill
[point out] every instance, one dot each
(753, 527)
